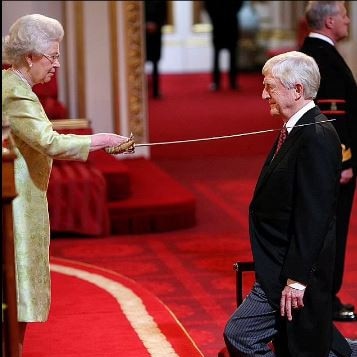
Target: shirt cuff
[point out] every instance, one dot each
(295, 285)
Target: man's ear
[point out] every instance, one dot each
(329, 22)
(298, 91)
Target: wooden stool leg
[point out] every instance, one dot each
(223, 352)
(239, 268)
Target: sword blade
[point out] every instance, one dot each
(223, 136)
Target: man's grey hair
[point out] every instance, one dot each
(317, 11)
(30, 34)
(293, 68)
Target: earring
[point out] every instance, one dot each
(30, 65)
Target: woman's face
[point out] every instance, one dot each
(44, 66)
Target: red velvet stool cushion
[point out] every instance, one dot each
(77, 199)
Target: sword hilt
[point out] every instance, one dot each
(128, 147)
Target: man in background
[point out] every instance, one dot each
(155, 18)
(225, 35)
(337, 98)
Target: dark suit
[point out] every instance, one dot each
(156, 13)
(292, 231)
(225, 34)
(337, 82)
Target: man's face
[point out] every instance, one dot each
(339, 23)
(281, 99)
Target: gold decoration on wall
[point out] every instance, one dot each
(112, 9)
(133, 14)
(81, 78)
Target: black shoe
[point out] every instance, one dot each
(348, 307)
(344, 315)
(233, 86)
(157, 95)
(338, 305)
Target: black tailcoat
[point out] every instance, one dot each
(337, 82)
(292, 229)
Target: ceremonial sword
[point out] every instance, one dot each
(130, 145)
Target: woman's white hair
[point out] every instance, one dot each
(30, 34)
(293, 68)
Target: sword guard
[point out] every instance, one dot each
(128, 147)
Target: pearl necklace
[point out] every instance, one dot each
(22, 77)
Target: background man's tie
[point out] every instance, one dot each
(282, 137)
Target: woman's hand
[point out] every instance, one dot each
(106, 140)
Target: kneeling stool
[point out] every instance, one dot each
(240, 268)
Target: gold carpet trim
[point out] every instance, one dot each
(133, 308)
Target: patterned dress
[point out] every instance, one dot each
(37, 144)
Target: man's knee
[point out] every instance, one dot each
(233, 339)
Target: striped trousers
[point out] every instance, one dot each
(252, 327)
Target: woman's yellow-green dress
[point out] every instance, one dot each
(37, 144)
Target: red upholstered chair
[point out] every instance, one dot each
(79, 192)
(48, 95)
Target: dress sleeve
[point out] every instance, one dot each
(29, 124)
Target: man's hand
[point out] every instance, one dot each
(291, 299)
(346, 176)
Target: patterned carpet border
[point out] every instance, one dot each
(154, 323)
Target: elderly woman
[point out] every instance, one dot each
(32, 49)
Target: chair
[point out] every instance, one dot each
(240, 268)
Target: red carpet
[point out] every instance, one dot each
(189, 270)
(189, 110)
(102, 313)
(157, 202)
